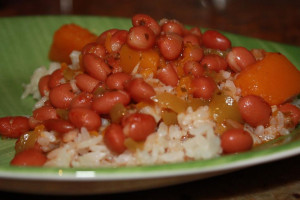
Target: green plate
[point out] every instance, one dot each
(25, 43)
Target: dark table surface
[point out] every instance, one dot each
(275, 20)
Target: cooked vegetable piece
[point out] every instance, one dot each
(67, 38)
(274, 78)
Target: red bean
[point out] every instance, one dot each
(138, 126)
(168, 75)
(203, 87)
(146, 20)
(254, 110)
(193, 52)
(139, 90)
(117, 40)
(43, 113)
(96, 67)
(95, 49)
(170, 45)
(140, 38)
(84, 117)
(239, 58)
(117, 80)
(215, 40)
(172, 26)
(292, 112)
(104, 103)
(114, 138)
(58, 125)
(214, 62)
(29, 157)
(193, 68)
(61, 96)
(82, 100)
(236, 140)
(196, 31)
(191, 39)
(13, 127)
(44, 85)
(113, 60)
(102, 37)
(86, 83)
(56, 78)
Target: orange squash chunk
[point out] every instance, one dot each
(67, 38)
(274, 78)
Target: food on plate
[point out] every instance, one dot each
(156, 93)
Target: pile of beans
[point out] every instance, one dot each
(106, 90)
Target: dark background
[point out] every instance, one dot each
(274, 20)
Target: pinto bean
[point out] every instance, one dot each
(117, 40)
(114, 138)
(84, 117)
(86, 83)
(13, 127)
(193, 52)
(191, 39)
(139, 90)
(104, 103)
(96, 67)
(61, 96)
(138, 126)
(172, 26)
(291, 111)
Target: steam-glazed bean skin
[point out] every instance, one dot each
(117, 80)
(56, 78)
(236, 140)
(44, 85)
(94, 48)
(170, 45)
(96, 67)
(239, 58)
(58, 125)
(102, 37)
(29, 157)
(168, 75)
(82, 100)
(114, 138)
(45, 112)
(203, 87)
(193, 68)
(140, 38)
(13, 127)
(215, 40)
(173, 26)
(214, 62)
(104, 103)
(139, 90)
(84, 117)
(61, 96)
(254, 110)
(291, 111)
(146, 20)
(138, 126)
(86, 83)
